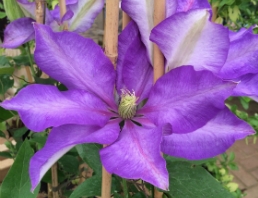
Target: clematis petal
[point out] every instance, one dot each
(134, 70)
(85, 12)
(240, 33)
(242, 57)
(67, 16)
(77, 62)
(62, 139)
(171, 7)
(212, 139)
(142, 13)
(18, 32)
(247, 86)
(186, 5)
(43, 106)
(136, 154)
(28, 8)
(186, 99)
(191, 39)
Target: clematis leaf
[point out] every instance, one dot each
(90, 154)
(90, 187)
(17, 182)
(190, 181)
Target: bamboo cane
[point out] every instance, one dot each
(111, 30)
(214, 13)
(62, 5)
(40, 11)
(126, 20)
(158, 58)
(54, 181)
(110, 43)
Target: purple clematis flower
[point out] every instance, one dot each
(182, 115)
(80, 15)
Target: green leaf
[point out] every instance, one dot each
(90, 187)
(18, 133)
(6, 82)
(90, 154)
(17, 182)
(6, 154)
(2, 134)
(6, 70)
(190, 181)
(194, 162)
(6, 114)
(69, 164)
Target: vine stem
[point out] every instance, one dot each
(125, 188)
(30, 78)
(110, 46)
(158, 58)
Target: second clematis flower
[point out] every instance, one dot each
(182, 115)
(80, 16)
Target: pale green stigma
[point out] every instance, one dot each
(127, 107)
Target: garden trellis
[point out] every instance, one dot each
(153, 97)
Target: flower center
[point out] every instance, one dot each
(127, 107)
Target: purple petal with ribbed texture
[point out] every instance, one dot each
(212, 139)
(134, 70)
(191, 39)
(18, 32)
(28, 8)
(43, 106)
(242, 57)
(142, 13)
(171, 7)
(186, 99)
(85, 12)
(67, 16)
(62, 139)
(247, 86)
(240, 33)
(77, 62)
(186, 5)
(136, 155)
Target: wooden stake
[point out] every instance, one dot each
(111, 30)
(214, 13)
(126, 20)
(110, 43)
(40, 11)
(158, 58)
(62, 5)
(54, 181)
